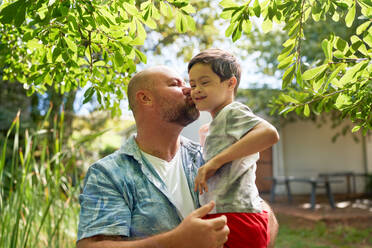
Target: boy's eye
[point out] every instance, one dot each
(192, 86)
(205, 82)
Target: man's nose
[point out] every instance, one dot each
(186, 91)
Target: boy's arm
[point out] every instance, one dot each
(260, 137)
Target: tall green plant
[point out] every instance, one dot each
(38, 194)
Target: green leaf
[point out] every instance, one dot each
(189, 9)
(71, 44)
(34, 44)
(179, 25)
(336, 16)
(334, 74)
(141, 56)
(230, 29)
(286, 62)
(356, 128)
(349, 19)
(164, 9)
(312, 73)
(130, 8)
(327, 49)
(247, 26)
(368, 39)
(228, 4)
(341, 44)
(88, 95)
(119, 60)
(306, 110)
(267, 25)
(290, 99)
(141, 32)
(362, 27)
(144, 5)
(226, 14)
(237, 33)
(286, 110)
(257, 8)
(318, 82)
(288, 76)
(299, 77)
(349, 76)
(56, 53)
(289, 42)
(14, 13)
(190, 23)
(284, 53)
(342, 101)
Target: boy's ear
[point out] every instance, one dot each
(144, 97)
(232, 83)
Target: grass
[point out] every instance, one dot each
(39, 186)
(297, 233)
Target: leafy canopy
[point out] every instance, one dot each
(66, 44)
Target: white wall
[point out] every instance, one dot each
(307, 150)
(191, 131)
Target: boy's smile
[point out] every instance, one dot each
(207, 90)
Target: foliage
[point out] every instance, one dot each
(342, 81)
(31, 174)
(66, 44)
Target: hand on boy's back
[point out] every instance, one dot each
(204, 173)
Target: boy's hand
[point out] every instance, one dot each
(204, 173)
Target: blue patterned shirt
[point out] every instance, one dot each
(123, 194)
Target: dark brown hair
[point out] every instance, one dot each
(223, 63)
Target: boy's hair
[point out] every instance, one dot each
(223, 63)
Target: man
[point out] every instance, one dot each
(141, 195)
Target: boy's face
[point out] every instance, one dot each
(207, 90)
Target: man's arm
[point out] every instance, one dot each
(260, 137)
(192, 232)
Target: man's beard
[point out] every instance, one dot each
(183, 113)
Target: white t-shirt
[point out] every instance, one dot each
(173, 176)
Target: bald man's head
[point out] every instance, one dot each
(145, 80)
(141, 81)
(166, 90)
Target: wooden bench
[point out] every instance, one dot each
(349, 176)
(315, 182)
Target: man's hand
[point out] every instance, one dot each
(193, 232)
(204, 173)
(197, 232)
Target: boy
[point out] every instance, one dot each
(234, 138)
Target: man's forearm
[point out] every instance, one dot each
(192, 232)
(165, 240)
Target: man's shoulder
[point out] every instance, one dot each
(111, 163)
(190, 145)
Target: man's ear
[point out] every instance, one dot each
(232, 83)
(144, 97)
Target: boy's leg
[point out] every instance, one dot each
(273, 225)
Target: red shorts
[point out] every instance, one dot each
(247, 230)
